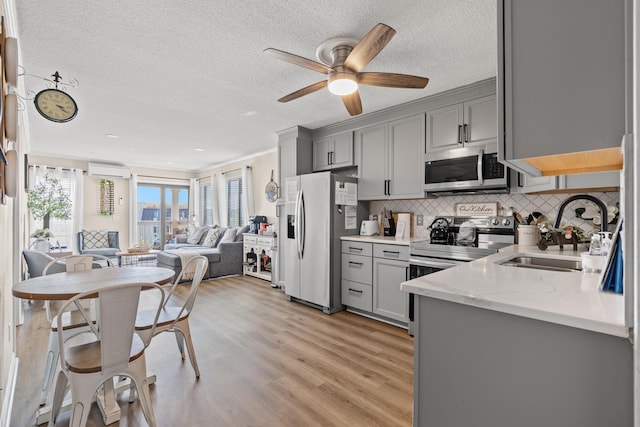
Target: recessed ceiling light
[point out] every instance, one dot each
(169, 163)
(111, 135)
(250, 113)
(198, 149)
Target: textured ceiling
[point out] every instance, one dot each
(170, 77)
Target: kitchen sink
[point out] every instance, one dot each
(540, 263)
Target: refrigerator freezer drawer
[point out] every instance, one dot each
(357, 295)
(357, 268)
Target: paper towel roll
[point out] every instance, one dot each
(406, 230)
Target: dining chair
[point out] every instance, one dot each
(175, 317)
(116, 351)
(72, 321)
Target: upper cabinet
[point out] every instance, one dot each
(564, 69)
(331, 152)
(390, 159)
(464, 124)
(597, 181)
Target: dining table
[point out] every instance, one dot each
(65, 285)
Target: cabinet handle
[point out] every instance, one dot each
(351, 248)
(394, 253)
(355, 263)
(329, 157)
(355, 290)
(466, 132)
(459, 134)
(333, 157)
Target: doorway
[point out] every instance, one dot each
(163, 212)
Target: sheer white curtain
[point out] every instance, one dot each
(219, 199)
(194, 202)
(78, 206)
(247, 193)
(133, 210)
(72, 181)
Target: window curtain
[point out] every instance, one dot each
(247, 194)
(133, 210)
(219, 199)
(194, 203)
(78, 206)
(72, 180)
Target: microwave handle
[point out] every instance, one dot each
(480, 157)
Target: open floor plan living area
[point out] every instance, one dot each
(284, 213)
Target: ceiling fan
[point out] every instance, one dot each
(342, 61)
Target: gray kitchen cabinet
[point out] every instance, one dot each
(371, 277)
(335, 151)
(602, 181)
(390, 159)
(390, 265)
(483, 368)
(357, 275)
(463, 124)
(294, 158)
(564, 70)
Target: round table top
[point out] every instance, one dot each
(62, 286)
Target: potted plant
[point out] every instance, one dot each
(48, 199)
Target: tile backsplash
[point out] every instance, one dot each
(524, 204)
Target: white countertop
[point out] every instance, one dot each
(389, 240)
(566, 298)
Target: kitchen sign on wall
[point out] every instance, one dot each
(476, 209)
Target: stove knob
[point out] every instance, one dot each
(495, 221)
(506, 221)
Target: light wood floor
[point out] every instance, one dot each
(264, 361)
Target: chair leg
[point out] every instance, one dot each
(138, 375)
(185, 331)
(49, 370)
(82, 392)
(58, 396)
(180, 341)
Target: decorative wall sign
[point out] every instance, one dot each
(476, 209)
(106, 197)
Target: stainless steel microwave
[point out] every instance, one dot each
(465, 169)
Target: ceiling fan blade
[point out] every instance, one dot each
(392, 80)
(298, 60)
(353, 103)
(304, 91)
(370, 46)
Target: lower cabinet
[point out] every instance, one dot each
(257, 255)
(371, 277)
(388, 299)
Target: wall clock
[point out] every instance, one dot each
(56, 105)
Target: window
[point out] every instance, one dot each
(206, 203)
(235, 213)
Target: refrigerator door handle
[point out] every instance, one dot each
(296, 228)
(301, 221)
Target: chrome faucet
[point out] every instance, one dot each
(601, 205)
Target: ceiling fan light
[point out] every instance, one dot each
(342, 85)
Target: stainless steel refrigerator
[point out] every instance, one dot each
(320, 208)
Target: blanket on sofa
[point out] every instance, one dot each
(185, 256)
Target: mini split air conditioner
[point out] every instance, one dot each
(99, 169)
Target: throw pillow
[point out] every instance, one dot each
(211, 238)
(95, 239)
(222, 230)
(194, 238)
(241, 231)
(229, 235)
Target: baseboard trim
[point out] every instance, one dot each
(9, 392)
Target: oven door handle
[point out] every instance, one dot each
(480, 159)
(436, 264)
